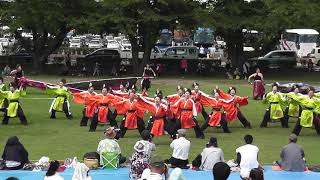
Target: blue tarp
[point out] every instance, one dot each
(122, 174)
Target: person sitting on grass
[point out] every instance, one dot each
(256, 174)
(247, 157)
(140, 159)
(221, 171)
(52, 172)
(14, 154)
(110, 145)
(209, 156)
(181, 148)
(81, 172)
(157, 170)
(292, 156)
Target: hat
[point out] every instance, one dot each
(182, 132)
(293, 137)
(110, 132)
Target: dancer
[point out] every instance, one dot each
(231, 103)
(274, 111)
(147, 73)
(3, 100)
(293, 109)
(309, 114)
(61, 100)
(258, 84)
(158, 112)
(133, 118)
(89, 108)
(14, 108)
(196, 94)
(186, 109)
(216, 117)
(103, 113)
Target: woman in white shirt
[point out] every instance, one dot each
(52, 172)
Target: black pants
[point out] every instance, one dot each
(286, 113)
(20, 114)
(223, 124)
(123, 129)
(204, 113)
(94, 121)
(243, 120)
(197, 130)
(316, 123)
(65, 109)
(266, 119)
(146, 84)
(183, 164)
(197, 161)
(84, 119)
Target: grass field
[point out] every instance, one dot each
(62, 138)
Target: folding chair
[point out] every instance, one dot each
(110, 160)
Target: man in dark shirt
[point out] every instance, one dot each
(292, 156)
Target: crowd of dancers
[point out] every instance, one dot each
(172, 112)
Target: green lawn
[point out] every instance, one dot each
(62, 138)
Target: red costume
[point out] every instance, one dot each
(90, 107)
(102, 101)
(196, 97)
(216, 105)
(186, 110)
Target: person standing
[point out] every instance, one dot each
(96, 70)
(186, 109)
(3, 100)
(245, 70)
(61, 100)
(247, 157)
(147, 73)
(292, 156)
(181, 148)
(293, 108)
(183, 66)
(17, 74)
(14, 109)
(258, 84)
(274, 111)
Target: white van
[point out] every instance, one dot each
(180, 52)
(315, 56)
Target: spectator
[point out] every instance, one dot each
(183, 66)
(156, 171)
(236, 74)
(209, 156)
(12, 178)
(83, 70)
(247, 157)
(202, 52)
(159, 69)
(52, 172)
(96, 70)
(245, 69)
(176, 174)
(140, 159)
(110, 145)
(310, 65)
(256, 174)
(221, 171)
(292, 156)
(81, 172)
(14, 154)
(6, 70)
(181, 148)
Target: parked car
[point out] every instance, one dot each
(5, 42)
(180, 52)
(75, 43)
(315, 56)
(125, 45)
(279, 59)
(113, 45)
(95, 43)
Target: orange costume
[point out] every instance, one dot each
(89, 109)
(196, 97)
(158, 114)
(215, 117)
(230, 106)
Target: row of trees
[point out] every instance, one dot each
(142, 20)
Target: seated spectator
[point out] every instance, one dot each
(221, 171)
(209, 156)
(12, 178)
(236, 74)
(292, 156)
(14, 154)
(110, 144)
(181, 148)
(140, 159)
(247, 157)
(52, 172)
(81, 172)
(256, 174)
(157, 170)
(6, 71)
(176, 174)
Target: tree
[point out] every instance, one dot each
(230, 17)
(142, 20)
(49, 21)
